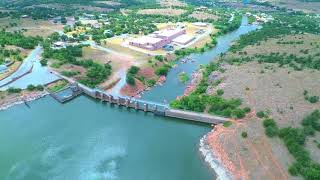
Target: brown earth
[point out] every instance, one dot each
(310, 42)
(147, 72)
(172, 3)
(31, 27)
(132, 91)
(308, 7)
(164, 12)
(203, 16)
(281, 94)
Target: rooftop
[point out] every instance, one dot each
(183, 39)
(168, 32)
(146, 39)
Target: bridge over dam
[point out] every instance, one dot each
(153, 107)
(143, 105)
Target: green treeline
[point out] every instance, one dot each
(17, 39)
(199, 101)
(284, 24)
(294, 139)
(96, 73)
(298, 63)
(11, 54)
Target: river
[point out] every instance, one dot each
(85, 139)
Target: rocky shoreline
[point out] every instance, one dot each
(20, 99)
(211, 158)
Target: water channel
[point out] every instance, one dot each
(85, 139)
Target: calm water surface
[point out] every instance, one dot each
(85, 139)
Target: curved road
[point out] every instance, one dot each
(39, 74)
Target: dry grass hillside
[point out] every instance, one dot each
(275, 90)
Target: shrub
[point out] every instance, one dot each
(271, 128)
(12, 90)
(162, 71)
(227, 123)
(238, 113)
(159, 58)
(31, 87)
(39, 87)
(313, 99)
(260, 114)
(244, 134)
(70, 73)
(133, 70)
(44, 62)
(130, 79)
(247, 109)
(220, 92)
(151, 82)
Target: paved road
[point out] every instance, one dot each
(39, 74)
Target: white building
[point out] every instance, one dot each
(58, 45)
(183, 39)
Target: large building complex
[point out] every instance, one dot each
(159, 39)
(148, 42)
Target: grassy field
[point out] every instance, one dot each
(57, 86)
(203, 16)
(164, 12)
(174, 3)
(278, 91)
(309, 7)
(31, 27)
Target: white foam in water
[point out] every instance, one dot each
(97, 157)
(211, 159)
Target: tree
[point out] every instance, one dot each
(134, 70)
(130, 79)
(244, 134)
(260, 114)
(44, 62)
(31, 87)
(220, 92)
(162, 71)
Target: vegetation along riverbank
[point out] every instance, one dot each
(262, 84)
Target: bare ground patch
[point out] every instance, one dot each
(169, 3)
(164, 12)
(32, 27)
(110, 3)
(203, 16)
(290, 44)
(308, 7)
(278, 91)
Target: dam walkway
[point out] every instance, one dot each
(143, 105)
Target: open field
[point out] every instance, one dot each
(308, 7)
(290, 44)
(203, 16)
(115, 44)
(31, 27)
(174, 3)
(276, 91)
(164, 12)
(110, 3)
(120, 63)
(92, 8)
